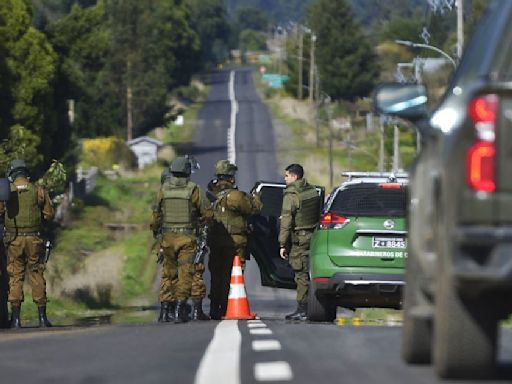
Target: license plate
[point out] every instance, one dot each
(389, 242)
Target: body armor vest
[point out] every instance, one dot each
(307, 214)
(23, 213)
(177, 208)
(234, 222)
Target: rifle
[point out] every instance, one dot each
(46, 251)
(202, 249)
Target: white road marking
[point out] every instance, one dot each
(266, 345)
(273, 371)
(221, 361)
(254, 321)
(257, 325)
(260, 331)
(232, 125)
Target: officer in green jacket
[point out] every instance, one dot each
(228, 235)
(24, 216)
(299, 217)
(180, 209)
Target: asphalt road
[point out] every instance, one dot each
(266, 350)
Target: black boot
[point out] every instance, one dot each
(180, 312)
(170, 313)
(164, 312)
(197, 310)
(299, 314)
(15, 316)
(43, 320)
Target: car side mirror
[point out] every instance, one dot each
(408, 101)
(5, 189)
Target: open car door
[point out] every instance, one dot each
(263, 243)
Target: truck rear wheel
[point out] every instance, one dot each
(465, 334)
(417, 326)
(319, 308)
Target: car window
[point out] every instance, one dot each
(370, 200)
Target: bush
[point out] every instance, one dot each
(105, 152)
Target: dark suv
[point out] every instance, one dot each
(459, 269)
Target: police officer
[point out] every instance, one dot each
(23, 216)
(180, 209)
(299, 217)
(168, 286)
(228, 236)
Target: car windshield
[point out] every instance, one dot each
(370, 200)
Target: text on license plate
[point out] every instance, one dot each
(389, 242)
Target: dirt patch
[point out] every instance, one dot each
(99, 281)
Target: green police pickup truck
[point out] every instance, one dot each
(459, 269)
(358, 252)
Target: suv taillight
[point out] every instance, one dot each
(480, 159)
(333, 221)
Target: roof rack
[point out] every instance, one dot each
(391, 176)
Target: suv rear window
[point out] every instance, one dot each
(370, 200)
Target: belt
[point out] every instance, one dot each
(188, 231)
(23, 233)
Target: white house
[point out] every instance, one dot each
(145, 149)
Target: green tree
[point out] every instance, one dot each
(123, 58)
(209, 20)
(153, 49)
(292, 64)
(251, 18)
(82, 41)
(347, 63)
(403, 28)
(27, 72)
(251, 40)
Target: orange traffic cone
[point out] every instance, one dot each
(238, 305)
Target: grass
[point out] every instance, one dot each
(125, 203)
(139, 267)
(178, 134)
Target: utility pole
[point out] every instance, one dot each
(460, 27)
(312, 68)
(301, 59)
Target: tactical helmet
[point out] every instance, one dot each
(17, 167)
(181, 164)
(224, 167)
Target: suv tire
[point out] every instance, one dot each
(417, 325)
(319, 309)
(465, 334)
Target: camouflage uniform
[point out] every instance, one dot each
(228, 235)
(168, 285)
(180, 206)
(299, 217)
(23, 218)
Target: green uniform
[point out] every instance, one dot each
(168, 285)
(227, 238)
(299, 217)
(23, 217)
(180, 208)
